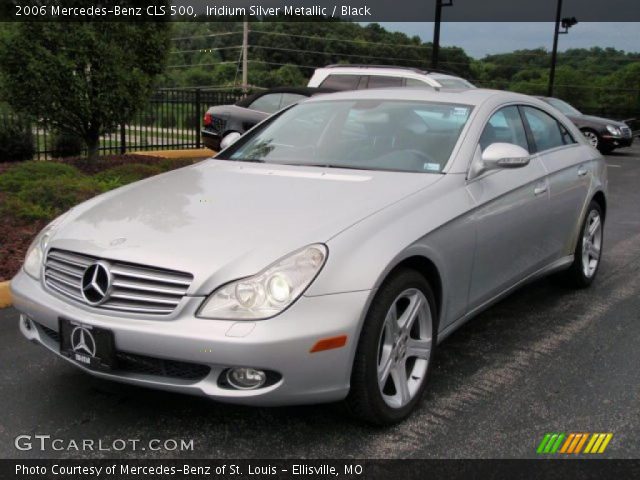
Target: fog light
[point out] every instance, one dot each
(244, 378)
(26, 322)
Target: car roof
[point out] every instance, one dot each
(470, 96)
(381, 69)
(306, 91)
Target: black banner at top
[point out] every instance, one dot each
(306, 10)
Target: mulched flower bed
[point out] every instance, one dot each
(16, 235)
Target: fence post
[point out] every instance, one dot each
(123, 139)
(197, 122)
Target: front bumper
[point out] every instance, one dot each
(616, 142)
(281, 344)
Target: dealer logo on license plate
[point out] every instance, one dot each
(83, 344)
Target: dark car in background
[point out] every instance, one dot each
(603, 133)
(224, 120)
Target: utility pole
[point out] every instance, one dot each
(567, 23)
(436, 32)
(245, 53)
(554, 52)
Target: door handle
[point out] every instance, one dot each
(540, 189)
(582, 171)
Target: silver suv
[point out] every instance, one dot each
(360, 77)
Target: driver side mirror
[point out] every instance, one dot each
(229, 140)
(498, 156)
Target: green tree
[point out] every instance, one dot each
(82, 78)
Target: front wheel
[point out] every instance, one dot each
(592, 137)
(588, 252)
(395, 350)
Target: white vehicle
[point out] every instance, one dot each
(360, 77)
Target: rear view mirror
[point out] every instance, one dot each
(498, 156)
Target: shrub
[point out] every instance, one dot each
(14, 179)
(123, 174)
(66, 145)
(16, 142)
(49, 197)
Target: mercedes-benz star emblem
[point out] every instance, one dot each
(82, 341)
(96, 283)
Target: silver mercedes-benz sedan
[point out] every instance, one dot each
(323, 255)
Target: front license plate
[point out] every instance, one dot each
(89, 346)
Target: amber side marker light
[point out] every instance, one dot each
(329, 343)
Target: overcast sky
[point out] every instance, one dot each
(479, 39)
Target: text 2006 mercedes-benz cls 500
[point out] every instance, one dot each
(323, 255)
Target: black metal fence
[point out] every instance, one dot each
(171, 120)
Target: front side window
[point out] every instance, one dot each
(269, 103)
(454, 83)
(360, 134)
(504, 126)
(544, 128)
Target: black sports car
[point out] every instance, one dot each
(603, 133)
(223, 120)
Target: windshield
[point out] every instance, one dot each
(564, 107)
(361, 134)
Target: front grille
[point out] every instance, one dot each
(133, 363)
(134, 288)
(626, 132)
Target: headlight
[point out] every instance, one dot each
(613, 130)
(35, 252)
(270, 291)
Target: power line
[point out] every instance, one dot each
(200, 64)
(205, 50)
(335, 53)
(364, 42)
(208, 35)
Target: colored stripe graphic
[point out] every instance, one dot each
(574, 443)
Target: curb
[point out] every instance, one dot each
(5, 294)
(194, 153)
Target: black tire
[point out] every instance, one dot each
(575, 276)
(605, 149)
(365, 400)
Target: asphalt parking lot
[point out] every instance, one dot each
(545, 359)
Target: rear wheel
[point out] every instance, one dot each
(588, 251)
(395, 350)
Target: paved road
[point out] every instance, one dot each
(544, 360)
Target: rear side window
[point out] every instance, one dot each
(341, 82)
(269, 103)
(289, 98)
(381, 81)
(547, 132)
(504, 126)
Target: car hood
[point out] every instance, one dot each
(220, 220)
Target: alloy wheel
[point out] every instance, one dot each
(591, 243)
(404, 348)
(592, 138)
